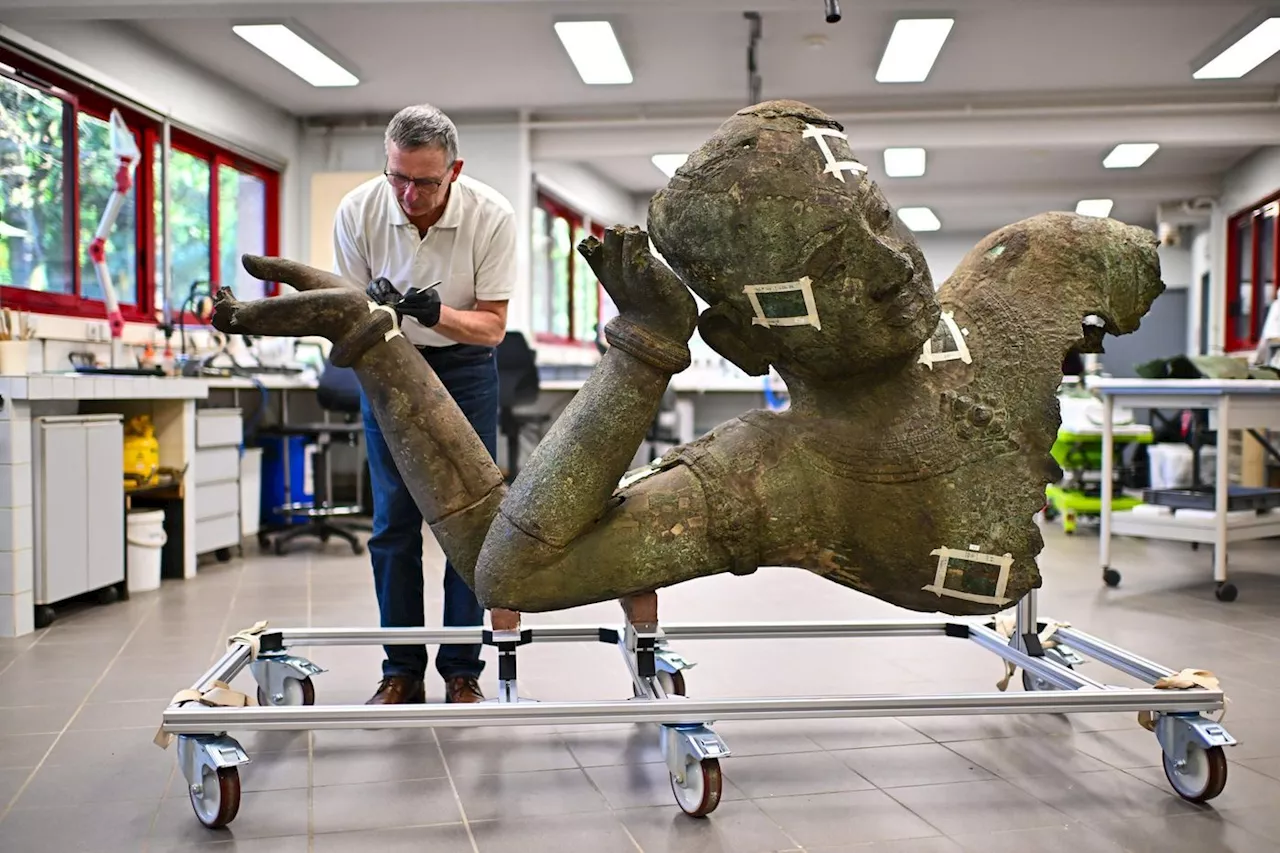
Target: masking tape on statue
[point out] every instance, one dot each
(803, 287)
(946, 555)
(961, 352)
(394, 331)
(834, 166)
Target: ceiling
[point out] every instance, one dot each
(1024, 101)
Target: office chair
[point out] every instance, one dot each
(339, 392)
(517, 386)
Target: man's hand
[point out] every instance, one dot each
(422, 304)
(646, 292)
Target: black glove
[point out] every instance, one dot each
(422, 304)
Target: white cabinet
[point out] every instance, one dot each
(217, 479)
(78, 505)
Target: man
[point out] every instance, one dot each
(425, 235)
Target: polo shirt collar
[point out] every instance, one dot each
(450, 218)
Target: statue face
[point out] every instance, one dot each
(775, 224)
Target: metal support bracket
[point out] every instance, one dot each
(685, 746)
(274, 670)
(1176, 732)
(197, 752)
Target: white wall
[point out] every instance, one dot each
(589, 193)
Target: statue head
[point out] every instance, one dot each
(800, 258)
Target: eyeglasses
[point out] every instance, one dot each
(400, 182)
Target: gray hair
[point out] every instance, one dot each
(423, 126)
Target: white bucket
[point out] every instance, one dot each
(146, 537)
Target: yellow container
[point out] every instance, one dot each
(141, 452)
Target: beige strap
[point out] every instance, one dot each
(1006, 625)
(251, 637)
(1184, 680)
(219, 695)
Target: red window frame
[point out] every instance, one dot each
(1239, 339)
(82, 98)
(577, 233)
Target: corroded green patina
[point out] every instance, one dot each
(914, 455)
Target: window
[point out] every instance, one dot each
(57, 173)
(1253, 258)
(569, 305)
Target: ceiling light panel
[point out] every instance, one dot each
(919, 218)
(904, 162)
(1130, 155)
(1099, 207)
(296, 54)
(912, 49)
(594, 50)
(1246, 54)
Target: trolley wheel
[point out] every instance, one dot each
(106, 595)
(223, 555)
(1110, 577)
(297, 691)
(672, 682)
(1226, 591)
(218, 799)
(700, 794)
(1202, 778)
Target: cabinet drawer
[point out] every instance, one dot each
(217, 465)
(215, 533)
(218, 428)
(217, 499)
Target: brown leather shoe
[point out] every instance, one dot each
(463, 689)
(399, 690)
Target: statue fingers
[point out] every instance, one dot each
(299, 275)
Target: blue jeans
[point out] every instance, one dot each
(470, 374)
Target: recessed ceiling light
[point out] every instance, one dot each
(295, 53)
(1130, 155)
(1100, 207)
(668, 163)
(904, 162)
(912, 49)
(919, 219)
(1253, 49)
(595, 52)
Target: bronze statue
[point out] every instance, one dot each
(915, 453)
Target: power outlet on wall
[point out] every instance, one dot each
(96, 331)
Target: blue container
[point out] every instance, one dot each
(301, 488)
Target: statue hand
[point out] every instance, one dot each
(646, 292)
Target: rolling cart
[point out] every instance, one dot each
(1173, 707)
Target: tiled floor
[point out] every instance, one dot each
(80, 702)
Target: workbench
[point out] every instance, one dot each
(1232, 404)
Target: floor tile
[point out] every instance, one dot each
(1068, 838)
(970, 807)
(597, 833)
(520, 795)
(451, 838)
(1188, 834)
(381, 805)
(640, 785)
(788, 775)
(914, 764)
(736, 826)
(847, 818)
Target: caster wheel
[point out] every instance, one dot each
(217, 799)
(1202, 777)
(672, 683)
(223, 554)
(1110, 577)
(700, 793)
(1226, 592)
(44, 616)
(1195, 546)
(107, 595)
(279, 548)
(296, 692)
(264, 541)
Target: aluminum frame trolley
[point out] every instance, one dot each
(1174, 706)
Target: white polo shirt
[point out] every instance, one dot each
(471, 251)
